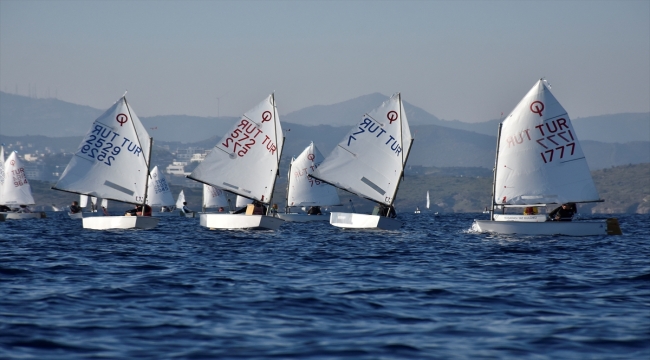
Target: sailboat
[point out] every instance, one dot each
(428, 201)
(417, 209)
(16, 191)
(369, 162)
(303, 190)
(539, 162)
(180, 204)
(214, 198)
(112, 162)
(159, 194)
(246, 162)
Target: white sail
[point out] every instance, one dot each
(180, 200)
(307, 191)
(158, 192)
(242, 202)
(105, 203)
(83, 201)
(2, 170)
(93, 203)
(539, 159)
(428, 201)
(111, 161)
(370, 160)
(213, 197)
(16, 189)
(245, 161)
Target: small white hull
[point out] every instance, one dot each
(120, 222)
(23, 216)
(363, 221)
(570, 228)
(240, 221)
(190, 214)
(303, 217)
(76, 215)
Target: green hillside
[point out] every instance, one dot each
(625, 189)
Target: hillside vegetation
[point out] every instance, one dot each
(625, 189)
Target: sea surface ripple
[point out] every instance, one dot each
(433, 290)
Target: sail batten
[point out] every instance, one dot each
(539, 159)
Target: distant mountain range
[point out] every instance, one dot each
(608, 140)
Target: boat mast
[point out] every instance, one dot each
(278, 155)
(494, 176)
(286, 198)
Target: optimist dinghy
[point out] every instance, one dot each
(112, 162)
(305, 191)
(370, 162)
(246, 162)
(539, 161)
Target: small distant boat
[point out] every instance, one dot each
(159, 195)
(428, 201)
(180, 205)
(305, 191)
(369, 162)
(113, 162)
(539, 161)
(245, 162)
(417, 210)
(15, 191)
(215, 198)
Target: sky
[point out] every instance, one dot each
(464, 60)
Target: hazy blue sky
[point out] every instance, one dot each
(466, 60)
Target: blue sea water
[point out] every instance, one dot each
(431, 290)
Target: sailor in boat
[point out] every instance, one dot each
(185, 209)
(147, 210)
(274, 209)
(105, 211)
(137, 211)
(5, 208)
(531, 210)
(563, 213)
(387, 211)
(258, 208)
(314, 210)
(74, 208)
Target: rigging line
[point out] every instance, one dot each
(137, 135)
(353, 154)
(494, 171)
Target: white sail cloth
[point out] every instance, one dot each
(370, 159)
(83, 201)
(241, 201)
(540, 160)
(213, 197)
(180, 200)
(2, 171)
(304, 190)
(158, 192)
(245, 161)
(111, 161)
(16, 189)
